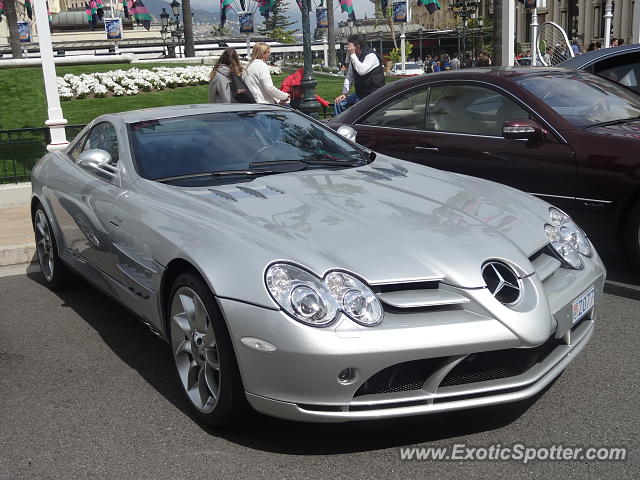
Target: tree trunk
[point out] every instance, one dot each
(12, 21)
(187, 21)
(331, 34)
(497, 33)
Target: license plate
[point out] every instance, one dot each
(583, 304)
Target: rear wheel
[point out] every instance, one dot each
(203, 355)
(54, 271)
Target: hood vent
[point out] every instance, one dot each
(239, 193)
(414, 296)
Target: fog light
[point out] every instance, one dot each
(347, 376)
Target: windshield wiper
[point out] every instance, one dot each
(219, 173)
(615, 122)
(305, 162)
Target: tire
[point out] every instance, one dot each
(632, 235)
(55, 273)
(202, 353)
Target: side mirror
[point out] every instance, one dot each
(98, 161)
(348, 132)
(522, 129)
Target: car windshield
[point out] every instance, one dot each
(242, 142)
(583, 99)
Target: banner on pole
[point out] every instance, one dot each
(113, 27)
(322, 18)
(400, 11)
(246, 22)
(24, 32)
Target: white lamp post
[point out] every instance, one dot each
(534, 34)
(608, 15)
(635, 35)
(508, 32)
(56, 121)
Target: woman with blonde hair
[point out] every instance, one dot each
(220, 80)
(258, 78)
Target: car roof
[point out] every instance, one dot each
(585, 59)
(145, 114)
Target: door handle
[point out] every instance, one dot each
(426, 149)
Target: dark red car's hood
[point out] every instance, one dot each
(625, 130)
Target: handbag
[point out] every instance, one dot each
(239, 90)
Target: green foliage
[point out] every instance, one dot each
(277, 18)
(395, 55)
(283, 36)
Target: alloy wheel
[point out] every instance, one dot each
(195, 350)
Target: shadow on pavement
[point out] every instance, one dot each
(150, 357)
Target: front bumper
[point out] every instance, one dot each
(299, 380)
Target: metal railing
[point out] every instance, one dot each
(21, 148)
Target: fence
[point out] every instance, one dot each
(21, 148)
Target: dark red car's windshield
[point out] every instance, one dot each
(583, 99)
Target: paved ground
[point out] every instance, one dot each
(16, 235)
(85, 392)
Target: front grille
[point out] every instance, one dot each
(484, 366)
(402, 377)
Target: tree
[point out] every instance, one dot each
(331, 35)
(277, 18)
(187, 24)
(12, 21)
(283, 36)
(497, 32)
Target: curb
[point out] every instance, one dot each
(17, 254)
(15, 194)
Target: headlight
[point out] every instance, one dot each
(303, 296)
(316, 302)
(567, 239)
(355, 298)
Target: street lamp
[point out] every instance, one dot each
(420, 36)
(463, 9)
(309, 103)
(175, 7)
(176, 29)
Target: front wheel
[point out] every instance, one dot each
(203, 355)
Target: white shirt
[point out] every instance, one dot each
(361, 67)
(258, 80)
(455, 64)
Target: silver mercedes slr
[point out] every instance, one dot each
(296, 273)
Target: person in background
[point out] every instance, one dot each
(614, 42)
(220, 79)
(365, 72)
(575, 47)
(592, 47)
(455, 63)
(293, 86)
(620, 41)
(258, 77)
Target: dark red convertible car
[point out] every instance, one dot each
(569, 137)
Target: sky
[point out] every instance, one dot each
(360, 6)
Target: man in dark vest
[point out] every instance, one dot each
(365, 73)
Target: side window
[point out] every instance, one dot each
(75, 152)
(104, 137)
(471, 110)
(406, 111)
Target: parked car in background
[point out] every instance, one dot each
(523, 62)
(410, 69)
(567, 136)
(296, 272)
(620, 64)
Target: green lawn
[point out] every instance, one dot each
(23, 105)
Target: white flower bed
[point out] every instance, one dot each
(131, 82)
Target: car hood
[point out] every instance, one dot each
(390, 221)
(623, 130)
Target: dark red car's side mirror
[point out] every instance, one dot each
(522, 129)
